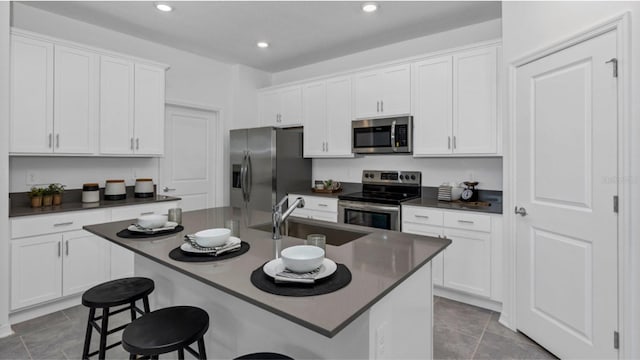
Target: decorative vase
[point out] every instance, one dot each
(36, 201)
(47, 200)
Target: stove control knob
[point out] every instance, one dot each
(413, 177)
(401, 177)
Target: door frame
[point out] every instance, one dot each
(628, 285)
(218, 190)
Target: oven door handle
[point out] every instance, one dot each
(368, 207)
(393, 136)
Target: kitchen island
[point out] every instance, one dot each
(385, 312)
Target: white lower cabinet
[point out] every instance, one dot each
(85, 261)
(316, 208)
(471, 264)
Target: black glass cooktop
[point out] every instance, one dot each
(393, 198)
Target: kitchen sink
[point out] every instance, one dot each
(301, 228)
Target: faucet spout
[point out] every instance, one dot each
(280, 217)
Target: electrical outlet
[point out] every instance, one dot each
(33, 177)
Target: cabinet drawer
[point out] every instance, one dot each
(467, 221)
(421, 215)
(135, 211)
(317, 203)
(316, 215)
(47, 224)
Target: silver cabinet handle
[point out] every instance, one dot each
(465, 221)
(147, 213)
(421, 216)
(377, 106)
(131, 143)
(454, 142)
(137, 143)
(57, 140)
(381, 106)
(327, 146)
(64, 223)
(59, 249)
(323, 205)
(166, 189)
(66, 247)
(50, 139)
(449, 142)
(521, 211)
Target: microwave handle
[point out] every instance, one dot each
(393, 136)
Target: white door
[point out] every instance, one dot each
(338, 117)
(367, 94)
(396, 90)
(116, 106)
(315, 107)
(566, 134)
(75, 108)
(189, 166)
(85, 261)
(291, 106)
(269, 108)
(148, 110)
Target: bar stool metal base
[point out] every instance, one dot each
(263, 356)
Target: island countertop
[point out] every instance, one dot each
(378, 261)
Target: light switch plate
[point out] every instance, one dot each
(33, 177)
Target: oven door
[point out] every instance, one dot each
(379, 216)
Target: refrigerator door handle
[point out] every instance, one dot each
(249, 179)
(243, 176)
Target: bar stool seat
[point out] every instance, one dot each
(166, 330)
(263, 356)
(111, 294)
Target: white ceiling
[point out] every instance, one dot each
(300, 32)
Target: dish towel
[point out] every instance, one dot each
(288, 276)
(231, 245)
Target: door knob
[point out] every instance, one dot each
(521, 211)
(166, 189)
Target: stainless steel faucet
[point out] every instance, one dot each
(278, 217)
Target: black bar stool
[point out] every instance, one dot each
(108, 295)
(263, 356)
(166, 330)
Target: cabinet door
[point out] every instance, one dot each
(367, 95)
(291, 106)
(396, 90)
(31, 96)
(116, 106)
(85, 261)
(122, 262)
(475, 102)
(338, 118)
(315, 119)
(148, 113)
(75, 100)
(269, 104)
(428, 230)
(432, 124)
(467, 262)
(36, 270)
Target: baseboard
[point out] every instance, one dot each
(44, 309)
(468, 299)
(5, 330)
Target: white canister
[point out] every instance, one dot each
(115, 190)
(90, 193)
(144, 188)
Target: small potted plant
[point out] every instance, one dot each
(57, 190)
(36, 197)
(47, 196)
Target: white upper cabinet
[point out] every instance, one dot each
(75, 101)
(327, 118)
(383, 92)
(282, 107)
(67, 98)
(149, 110)
(116, 110)
(31, 96)
(456, 104)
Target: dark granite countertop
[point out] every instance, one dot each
(20, 205)
(429, 199)
(373, 260)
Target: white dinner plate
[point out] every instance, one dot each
(275, 266)
(188, 248)
(169, 225)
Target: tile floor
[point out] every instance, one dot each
(461, 332)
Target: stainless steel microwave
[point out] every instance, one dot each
(382, 136)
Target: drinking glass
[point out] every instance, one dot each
(319, 240)
(175, 215)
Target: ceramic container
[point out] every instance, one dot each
(115, 190)
(90, 193)
(144, 188)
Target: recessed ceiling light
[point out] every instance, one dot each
(369, 7)
(164, 7)
(263, 44)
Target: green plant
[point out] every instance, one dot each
(35, 192)
(56, 188)
(47, 191)
(328, 184)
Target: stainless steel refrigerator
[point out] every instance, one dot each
(266, 164)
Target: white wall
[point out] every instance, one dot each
(435, 171)
(484, 31)
(5, 329)
(528, 26)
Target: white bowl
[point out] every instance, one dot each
(152, 221)
(302, 258)
(212, 237)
